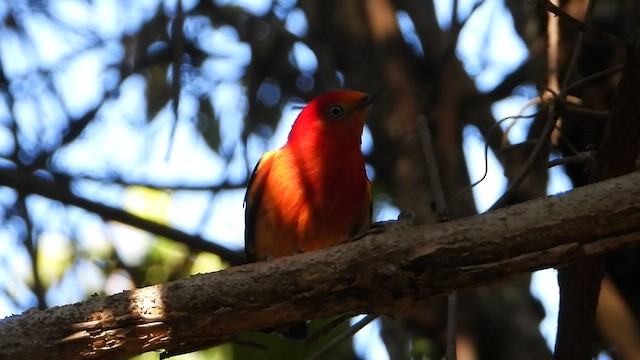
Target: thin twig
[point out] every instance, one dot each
(581, 157)
(486, 152)
(326, 329)
(345, 335)
(514, 147)
(600, 114)
(537, 151)
(31, 244)
(606, 72)
(432, 165)
(562, 137)
(177, 37)
(116, 179)
(440, 202)
(75, 128)
(577, 48)
(582, 26)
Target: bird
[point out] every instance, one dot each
(313, 192)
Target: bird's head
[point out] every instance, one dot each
(342, 113)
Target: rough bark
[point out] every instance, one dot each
(383, 273)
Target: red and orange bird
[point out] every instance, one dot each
(313, 192)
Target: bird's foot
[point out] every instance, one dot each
(406, 219)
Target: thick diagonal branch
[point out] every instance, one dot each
(383, 273)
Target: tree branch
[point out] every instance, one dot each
(32, 184)
(583, 26)
(384, 273)
(156, 184)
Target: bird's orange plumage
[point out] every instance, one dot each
(313, 192)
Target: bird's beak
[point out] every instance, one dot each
(369, 99)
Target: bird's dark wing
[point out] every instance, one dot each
(252, 200)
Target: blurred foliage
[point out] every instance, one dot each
(279, 347)
(86, 92)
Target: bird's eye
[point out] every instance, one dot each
(335, 111)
